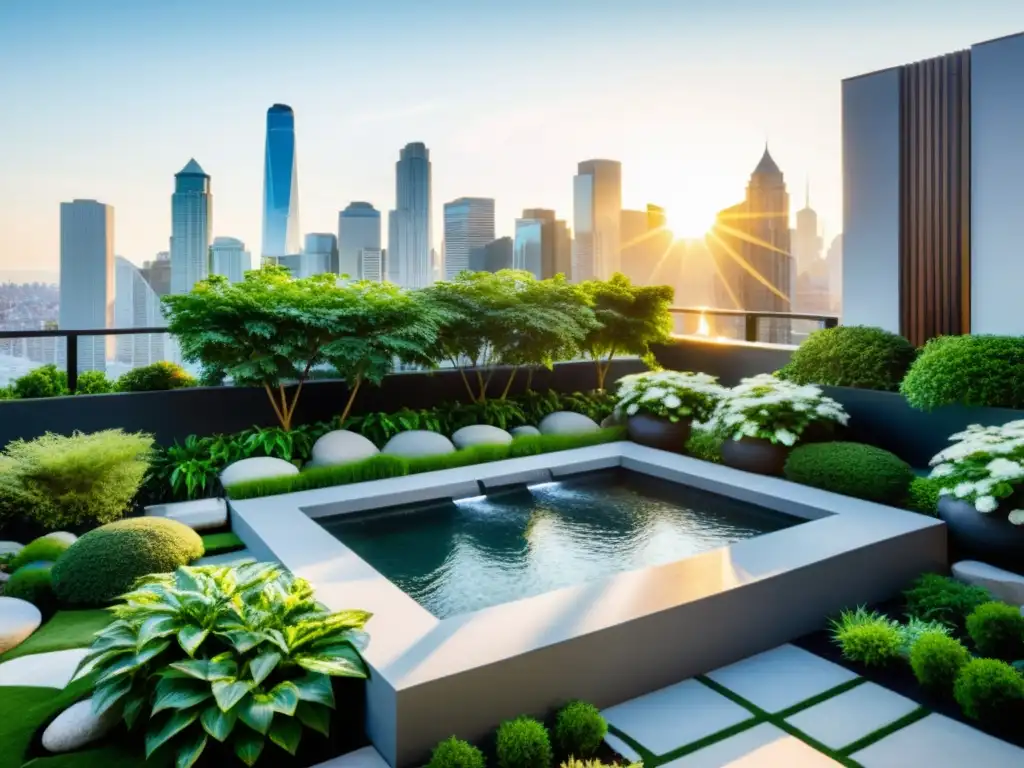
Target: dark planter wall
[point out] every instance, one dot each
(729, 362)
(176, 414)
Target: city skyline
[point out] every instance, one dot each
(685, 132)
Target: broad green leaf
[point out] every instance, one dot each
(160, 625)
(229, 692)
(248, 746)
(257, 712)
(284, 697)
(157, 735)
(207, 669)
(314, 716)
(190, 749)
(186, 580)
(336, 660)
(217, 723)
(276, 637)
(173, 693)
(107, 694)
(315, 688)
(263, 665)
(132, 709)
(286, 733)
(241, 640)
(191, 637)
(130, 662)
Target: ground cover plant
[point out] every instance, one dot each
(852, 469)
(851, 356)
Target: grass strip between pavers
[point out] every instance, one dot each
(896, 725)
(222, 543)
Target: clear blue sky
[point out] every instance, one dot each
(107, 99)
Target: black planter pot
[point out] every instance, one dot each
(990, 538)
(754, 454)
(655, 432)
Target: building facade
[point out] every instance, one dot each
(358, 231)
(319, 253)
(136, 305)
(646, 242)
(597, 219)
(280, 185)
(191, 223)
(493, 257)
(372, 264)
(542, 244)
(410, 232)
(157, 272)
(229, 258)
(468, 224)
(87, 278)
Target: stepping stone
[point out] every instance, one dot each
(940, 742)
(843, 719)
(671, 718)
(367, 757)
(227, 558)
(1004, 585)
(779, 678)
(18, 619)
(77, 726)
(199, 515)
(42, 670)
(763, 746)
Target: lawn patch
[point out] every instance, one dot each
(222, 543)
(67, 629)
(24, 709)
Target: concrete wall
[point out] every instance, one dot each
(871, 123)
(997, 185)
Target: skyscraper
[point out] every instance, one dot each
(372, 264)
(645, 241)
(542, 245)
(358, 230)
(228, 257)
(191, 222)
(157, 272)
(468, 223)
(136, 305)
(87, 278)
(410, 241)
(493, 257)
(810, 273)
(320, 251)
(280, 185)
(597, 213)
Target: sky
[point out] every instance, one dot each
(107, 99)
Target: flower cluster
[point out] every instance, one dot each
(773, 409)
(669, 395)
(984, 465)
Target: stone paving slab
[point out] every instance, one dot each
(779, 678)
(763, 746)
(43, 670)
(843, 719)
(672, 717)
(940, 742)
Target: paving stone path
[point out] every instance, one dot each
(787, 708)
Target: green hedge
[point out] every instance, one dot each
(967, 370)
(851, 356)
(383, 466)
(852, 469)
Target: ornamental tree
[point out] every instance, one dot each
(630, 319)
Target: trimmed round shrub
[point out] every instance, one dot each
(997, 629)
(45, 381)
(456, 753)
(852, 469)
(158, 376)
(937, 659)
(873, 644)
(991, 691)
(33, 582)
(580, 729)
(523, 743)
(923, 496)
(934, 597)
(42, 550)
(93, 383)
(851, 356)
(969, 370)
(105, 562)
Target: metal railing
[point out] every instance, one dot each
(751, 319)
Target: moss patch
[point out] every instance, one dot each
(67, 629)
(222, 543)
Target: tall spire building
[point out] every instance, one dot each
(410, 240)
(280, 186)
(191, 222)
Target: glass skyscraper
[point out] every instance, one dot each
(468, 224)
(410, 240)
(358, 231)
(280, 185)
(597, 210)
(191, 222)
(87, 278)
(228, 257)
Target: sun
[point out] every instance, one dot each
(689, 220)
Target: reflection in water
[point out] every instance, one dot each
(459, 557)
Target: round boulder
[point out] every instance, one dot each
(341, 447)
(77, 726)
(480, 434)
(417, 443)
(567, 423)
(526, 431)
(18, 620)
(256, 468)
(10, 547)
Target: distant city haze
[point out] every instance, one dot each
(106, 100)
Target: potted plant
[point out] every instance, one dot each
(982, 498)
(764, 417)
(660, 406)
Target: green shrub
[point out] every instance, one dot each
(105, 562)
(80, 479)
(580, 729)
(990, 691)
(934, 597)
(851, 356)
(157, 376)
(7, 393)
(93, 383)
(852, 469)
(969, 370)
(923, 496)
(868, 637)
(46, 381)
(45, 549)
(915, 629)
(936, 660)
(33, 583)
(997, 629)
(523, 743)
(244, 655)
(456, 753)
(706, 445)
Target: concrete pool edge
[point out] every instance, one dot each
(606, 641)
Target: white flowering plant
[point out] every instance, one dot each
(983, 466)
(773, 409)
(671, 395)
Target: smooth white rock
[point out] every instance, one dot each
(1004, 585)
(417, 443)
(524, 431)
(77, 726)
(341, 446)
(43, 670)
(480, 434)
(67, 538)
(567, 423)
(199, 515)
(256, 468)
(10, 547)
(18, 620)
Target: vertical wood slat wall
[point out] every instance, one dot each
(935, 209)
